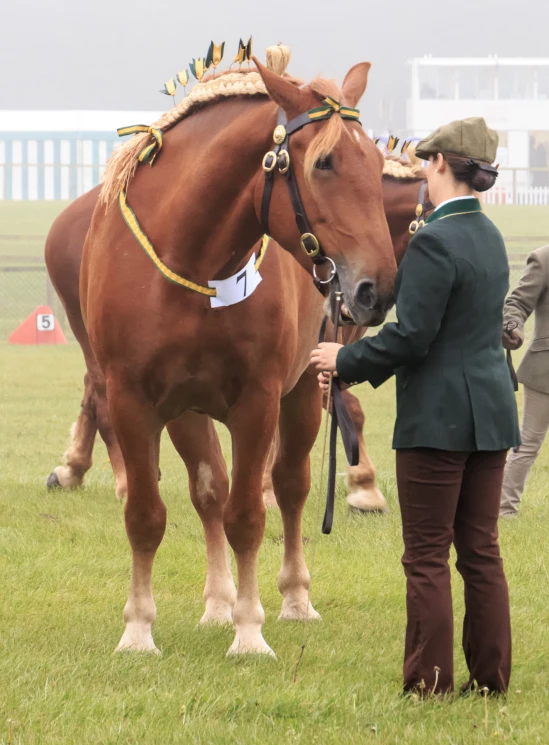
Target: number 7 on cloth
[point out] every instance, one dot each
(237, 288)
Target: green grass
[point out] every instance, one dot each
(517, 220)
(65, 569)
(524, 228)
(23, 226)
(65, 566)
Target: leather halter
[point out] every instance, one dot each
(279, 157)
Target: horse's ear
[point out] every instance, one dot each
(355, 83)
(285, 94)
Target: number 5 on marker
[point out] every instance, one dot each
(45, 322)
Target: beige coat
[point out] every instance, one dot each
(530, 295)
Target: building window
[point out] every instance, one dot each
(516, 82)
(437, 82)
(427, 82)
(543, 83)
(468, 85)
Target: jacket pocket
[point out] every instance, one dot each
(540, 345)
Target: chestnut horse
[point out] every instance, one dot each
(63, 258)
(165, 354)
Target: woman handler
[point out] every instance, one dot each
(456, 414)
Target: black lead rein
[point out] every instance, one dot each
(342, 420)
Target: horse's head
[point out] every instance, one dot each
(338, 173)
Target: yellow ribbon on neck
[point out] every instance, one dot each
(149, 153)
(131, 221)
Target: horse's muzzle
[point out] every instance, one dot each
(366, 306)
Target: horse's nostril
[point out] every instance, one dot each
(365, 294)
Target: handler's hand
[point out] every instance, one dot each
(324, 356)
(511, 339)
(324, 380)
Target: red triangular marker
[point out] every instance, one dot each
(41, 327)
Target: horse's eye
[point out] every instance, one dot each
(325, 163)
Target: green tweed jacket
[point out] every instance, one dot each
(454, 390)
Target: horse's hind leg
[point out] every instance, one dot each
(364, 496)
(94, 415)
(138, 432)
(252, 424)
(78, 457)
(300, 417)
(196, 441)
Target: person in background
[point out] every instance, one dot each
(456, 414)
(530, 296)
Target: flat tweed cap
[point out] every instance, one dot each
(468, 138)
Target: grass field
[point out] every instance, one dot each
(23, 226)
(65, 570)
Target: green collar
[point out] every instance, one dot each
(460, 207)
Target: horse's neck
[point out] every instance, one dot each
(206, 187)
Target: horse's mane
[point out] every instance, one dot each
(123, 162)
(211, 90)
(404, 169)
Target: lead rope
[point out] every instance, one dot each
(319, 491)
(314, 541)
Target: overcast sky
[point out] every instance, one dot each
(109, 54)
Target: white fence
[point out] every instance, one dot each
(530, 195)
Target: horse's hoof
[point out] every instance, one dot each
(294, 612)
(257, 646)
(367, 501)
(140, 650)
(53, 481)
(133, 640)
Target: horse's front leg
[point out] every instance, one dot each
(300, 417)
(364, 496)
(252, 424)
(138, 431)
(196, 441)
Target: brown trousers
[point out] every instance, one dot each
(454, 497)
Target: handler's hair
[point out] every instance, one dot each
(478, 175)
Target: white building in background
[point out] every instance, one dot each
(58, 154)
(512, 94)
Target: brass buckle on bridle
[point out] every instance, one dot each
(415, 225)
(268, 167)
(418, 223)
(310, 238)
(283, 161)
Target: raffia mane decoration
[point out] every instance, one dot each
(123, 162)
(398, 168)
(405, 167)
